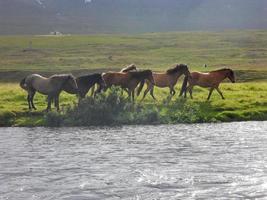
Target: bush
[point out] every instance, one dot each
(110, 108)
(7, 118)
(54, 119)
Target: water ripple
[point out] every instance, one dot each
(201, 161)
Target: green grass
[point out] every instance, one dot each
(243, 51)
(244, 101)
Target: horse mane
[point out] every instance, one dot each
(129, 68)
(62, 76)
(175, 69)
(23, 84)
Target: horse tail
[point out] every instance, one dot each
(183, 89)
(141, 85)
(22, 84)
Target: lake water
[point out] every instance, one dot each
(201, 161)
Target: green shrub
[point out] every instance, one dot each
(7, 118)
(54, 119)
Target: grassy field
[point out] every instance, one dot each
(243, 51)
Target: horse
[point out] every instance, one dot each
(51, 87)
(129, 68)
(126, 69)
(127, 81)
(210, 80)
(85, 83)
(165, 79)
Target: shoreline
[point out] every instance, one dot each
(121, 125)
(113, 109)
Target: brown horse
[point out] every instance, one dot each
(129, 68)
(51, 87)
(128, 81)
(210, 80)
(165, 79)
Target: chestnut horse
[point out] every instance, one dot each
(128, 81)
(51, 87)
(165, 79)
(210, 80)
(130, 68)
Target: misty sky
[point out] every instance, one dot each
(111, 16)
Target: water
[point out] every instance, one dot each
(202, 161)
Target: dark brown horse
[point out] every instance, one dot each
(165, 79)
(84, 84)
(210, 80)
(128, 81)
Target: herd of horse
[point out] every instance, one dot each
(129, 78)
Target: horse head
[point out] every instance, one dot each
(179, 69)
(149, 76)
(184, 69)
(231, 75)
(100, 81)
(71, 82)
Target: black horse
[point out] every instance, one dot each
(85, 83)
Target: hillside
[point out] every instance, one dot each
(129, 16)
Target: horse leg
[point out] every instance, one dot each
(93, 91)
(29, 102)
(211, 90)
(98, 90)
(219, 91)
(132, 95)
(57, 102)
(185, 91)
(152, 93)
(190, 89)
(145, 92)
(129, 94)
(31, 99)
(49, 99)
(172, 91)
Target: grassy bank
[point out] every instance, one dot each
(244, 101)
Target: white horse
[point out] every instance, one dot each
(51, 87)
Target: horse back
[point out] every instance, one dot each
(161, 79)
(115, 78)
(203, 79)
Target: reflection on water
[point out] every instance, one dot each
(202, 161)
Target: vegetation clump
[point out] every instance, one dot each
(111, 108)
